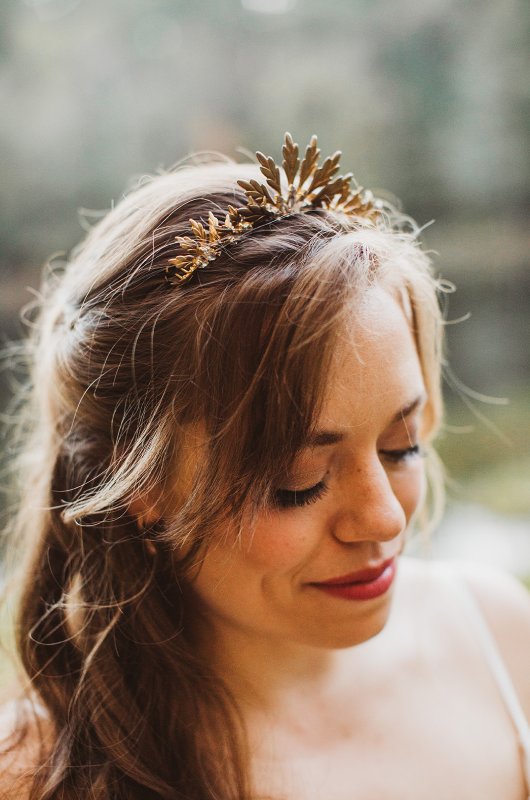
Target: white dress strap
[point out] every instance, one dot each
(499, 671)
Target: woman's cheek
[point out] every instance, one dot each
(282, 540)
(410, 487)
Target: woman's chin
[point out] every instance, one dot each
(343, 635)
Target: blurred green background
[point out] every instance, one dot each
(429, 100)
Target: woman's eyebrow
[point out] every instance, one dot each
(323, 438)
(409, 408)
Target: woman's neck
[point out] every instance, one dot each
(264, 671)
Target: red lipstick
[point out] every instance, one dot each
(366, 584)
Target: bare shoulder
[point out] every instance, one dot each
(505, 606)
(505, 603)
(24, 733)
(504, 599)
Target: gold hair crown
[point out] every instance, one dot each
(309, 187)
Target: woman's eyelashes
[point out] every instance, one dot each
(295, 498)
(397, 456)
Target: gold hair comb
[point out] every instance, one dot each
(309, 186)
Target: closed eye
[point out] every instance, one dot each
(402, 455)
(296, 498)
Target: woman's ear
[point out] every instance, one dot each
(146, 509)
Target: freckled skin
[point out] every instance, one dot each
(261, 586)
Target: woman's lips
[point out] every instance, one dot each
(366, 584)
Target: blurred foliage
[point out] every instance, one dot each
(485, 447)
(429, 99)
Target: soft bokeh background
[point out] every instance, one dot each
(429, 99)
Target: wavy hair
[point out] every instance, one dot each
(123, 368)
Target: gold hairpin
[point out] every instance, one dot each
(309, 186)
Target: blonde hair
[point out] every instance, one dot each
(123, 366)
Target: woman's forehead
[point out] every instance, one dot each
(375, 366)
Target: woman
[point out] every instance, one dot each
(235, 388)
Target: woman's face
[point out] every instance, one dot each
(343, 508)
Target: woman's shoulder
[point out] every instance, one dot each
(480, 594)
(505, 605)
(24, 734)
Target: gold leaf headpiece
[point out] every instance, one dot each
(309, 187)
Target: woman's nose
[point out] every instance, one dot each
(369, 510)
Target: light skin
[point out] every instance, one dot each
(259, 593)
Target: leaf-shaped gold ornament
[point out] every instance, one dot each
(291, 162)
(309, 186)
(257, 192)
(325, 173)
(326, 196)
(198, 230)
(270, 171)
(308, 165)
